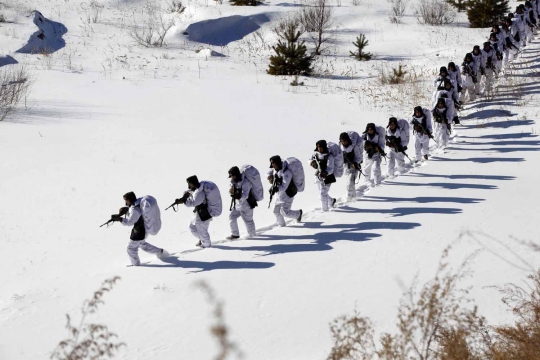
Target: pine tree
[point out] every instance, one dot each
(460, 5)
(361, 43)
(485, 13)
(290, 58)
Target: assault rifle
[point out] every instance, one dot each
(350, 162)
(469, 71)
(235, 195)
(273, 189)
(182, 200)
(115, 217)
(392, 141)
(371, 148)
(421, 129)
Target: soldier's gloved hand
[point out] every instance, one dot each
(116, 217)
(314, 164)
(404, 148)
(178, 201)
(270, 179)
(324, 174)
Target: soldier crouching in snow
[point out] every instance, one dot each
(352, 147)
(134, 217)
(281, 179)
(323, 162)
(242, 205)
(205, 197)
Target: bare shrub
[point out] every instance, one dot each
(175, 7)
(433, 323)
(93, 12)
(358, 2)
(2, 18)
(286, 22)
(150, 25)
(435, 12)
(397, 10)
(521, 340)
(15, 84)
(317, 20)
(89, 341)
(219, 330)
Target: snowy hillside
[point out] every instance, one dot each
(107, 116)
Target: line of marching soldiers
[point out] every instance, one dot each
(455, 85)
(475, 77)
(287, 178)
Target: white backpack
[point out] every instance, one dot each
(297, 170)
(336, 152)
(151, 214)
(356, 139)
(405, 132)
(254, 177)
(213, 198)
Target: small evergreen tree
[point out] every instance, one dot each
(460, 5)
(485, 13)
(290, 58)
(398, 75)
(246, 2)
(361, 43)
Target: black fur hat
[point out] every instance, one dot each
(193, 180)
(441, 100)
(276, 159)
(131, 197)
(392, 120)
(346, 137)
(370, 126)
(322, 144)
(235, 171)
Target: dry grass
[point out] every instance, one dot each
(440, 322)
(219, 330)
(89, 341)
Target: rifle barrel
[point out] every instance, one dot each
(106, 223)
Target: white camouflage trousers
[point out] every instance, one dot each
(199, 229)
(246, 213)
(351, 176)
(393, 157)
(421, 146)
(326, 200)
(441, 134)
(282, 210)
(469, 90)
(133, 250)
(373, 165)
(489, 78)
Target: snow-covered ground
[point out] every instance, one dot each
(107, 117)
